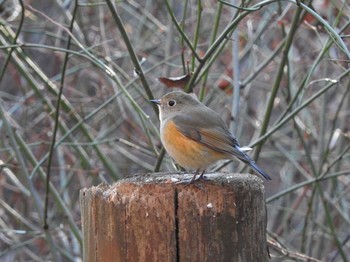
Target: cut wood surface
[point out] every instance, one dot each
(155, 217)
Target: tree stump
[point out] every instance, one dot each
(155, 218)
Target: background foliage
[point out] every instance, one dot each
(76, 78)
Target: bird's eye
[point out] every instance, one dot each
(171, 102)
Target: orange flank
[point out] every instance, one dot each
(186, 151)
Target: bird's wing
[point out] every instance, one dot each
(214, 135)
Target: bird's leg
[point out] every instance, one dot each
(201, 175)
(194, 177)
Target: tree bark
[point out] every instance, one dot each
(155, 218)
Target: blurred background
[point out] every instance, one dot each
(76, 78)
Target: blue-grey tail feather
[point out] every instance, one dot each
(254, 166)
(251, 163)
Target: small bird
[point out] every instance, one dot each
(195, 136)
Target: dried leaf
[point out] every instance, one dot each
(172, 82)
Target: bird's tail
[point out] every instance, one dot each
(241, 155)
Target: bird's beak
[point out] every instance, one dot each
(156, 101)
